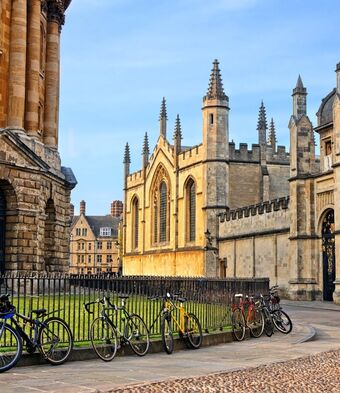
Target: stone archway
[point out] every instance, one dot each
(328, 255)
(49, 239)
(8, 224)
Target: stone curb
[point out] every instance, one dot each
(310, 336)
(87, 353)
(312, 306)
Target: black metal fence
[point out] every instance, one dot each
(210, 299)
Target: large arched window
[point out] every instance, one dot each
(161, 207)
(135, 222)
(163, 212)
(191, 210)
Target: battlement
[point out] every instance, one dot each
(244, 155)
(135, 176)
(253, 210)
(188, 152)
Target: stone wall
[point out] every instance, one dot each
(254, 241)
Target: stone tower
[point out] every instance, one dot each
(34, 188)
(302, 223)
(215, 162)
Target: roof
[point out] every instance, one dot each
(325, 112)
(97, 222)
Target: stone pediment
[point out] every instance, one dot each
(14, 152)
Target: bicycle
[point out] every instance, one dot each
(188, 325)
(104, 333)
(280, 318)
(51, 336)
(254, 319)
(268, 319)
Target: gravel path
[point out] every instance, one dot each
(314, 374)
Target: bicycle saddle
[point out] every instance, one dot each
(41, 311)
(182, 299)
(123, 296)
(238, 295)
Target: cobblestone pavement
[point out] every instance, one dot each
(319, 373)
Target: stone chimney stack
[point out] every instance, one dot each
(82, 208)
(338, 78)
(116, 208)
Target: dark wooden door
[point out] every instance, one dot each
(328, 254)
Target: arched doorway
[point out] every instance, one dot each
(328, 255)
(49, 257)
(2, 230)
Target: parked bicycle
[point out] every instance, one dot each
(280, 318)
(267, 316)
(51, 336)
(245, 314)
(105, 335)
(174, 316)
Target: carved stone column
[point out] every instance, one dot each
(17, 65)
(55, 19)
(33, 69)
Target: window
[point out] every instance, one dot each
(328, 156)
(90, 246)
(84, 232)
(99, 245)
(78, 231)
(163, 213)
(99, 259)
(211, 119)
(106, 231)
(78, 258)
(78, 246)
(109, 258)
(135, 222)
(83, 246)
(191, 210)
(89, 259)
(109, 245)
(82, 258)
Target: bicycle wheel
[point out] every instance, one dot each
(256, 323)
(268, 322)
(55, 340)
(137, 335)
(238, 324)
(103, 336)
(193, 331)
(282, 321)
(167, 334)
(10, 348)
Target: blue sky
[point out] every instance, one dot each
(120, 57)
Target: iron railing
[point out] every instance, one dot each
(209, 298)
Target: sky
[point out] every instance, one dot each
(120, 57)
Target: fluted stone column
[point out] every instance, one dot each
(55, 19)
(33, 69)
(17, 65)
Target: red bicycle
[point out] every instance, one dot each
(246, 314)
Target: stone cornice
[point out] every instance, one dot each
(55, 11)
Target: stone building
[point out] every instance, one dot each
(94, 242)
(214, 210)
(172, 203)
(34, 188)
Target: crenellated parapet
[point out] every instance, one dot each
(243, 154)
(253, 210)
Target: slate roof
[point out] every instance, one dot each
(97, 222)
(325, 112)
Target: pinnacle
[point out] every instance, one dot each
(262, 121)
(178, 130)
(127, 154)
(215, 88)
(163, 113)
(299, 88)
(299, 83)
(146, 150)
(272, 134)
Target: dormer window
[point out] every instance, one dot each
(105, 231)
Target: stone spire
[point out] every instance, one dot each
(146, 151)
(299, 99)
(177, 135)
(127, 160)
(262, 124)
(272, 135)
(163, 118)
(215, 89)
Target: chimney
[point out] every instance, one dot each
(71, 211)
(82, 207)
(338, 78)
(116, 208)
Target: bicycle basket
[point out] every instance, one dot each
(7, 310)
